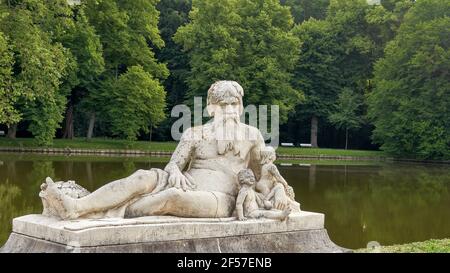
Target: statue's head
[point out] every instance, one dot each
(225, 100)
(246, 176)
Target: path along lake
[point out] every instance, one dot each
(386, 202)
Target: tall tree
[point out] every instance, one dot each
(9, 115)
(410, 105)
(128, 32)
(347, 115)
(136, 102)
(247, 41)
(174, 13)
(337, 52)
(84, 44)
(317, 73)
(40, 66)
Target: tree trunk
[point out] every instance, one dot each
(12, 130)
(91, 126)
(346, 138)
(314, 126)
(68, 129)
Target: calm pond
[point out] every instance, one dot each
(390, 203)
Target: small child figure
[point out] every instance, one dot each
(247, 204)
(271, 180)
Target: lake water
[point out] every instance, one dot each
(389, 203)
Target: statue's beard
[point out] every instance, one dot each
(226, 131)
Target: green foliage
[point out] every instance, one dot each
(40, 64)
(128, 33)
(84, 43)
(317, 73)
(174, 13)
(348, 105)
(8, 95)
(410, 105)
(247, 41)
(126, 29)
(136, 101)
(302, 10)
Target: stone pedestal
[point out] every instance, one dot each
(302, 232)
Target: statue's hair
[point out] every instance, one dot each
(224, 90)
(245, 173)
(266, 153)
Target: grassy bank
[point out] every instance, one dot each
(102, 143)
(95, 143)
(430, 246)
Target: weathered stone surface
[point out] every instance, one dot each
(306, 241)
(115, 231)
(302, 232)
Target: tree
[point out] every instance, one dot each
(410, 105)
(174, 13)
(316, 72)
(136, 102)
(84, 44)
(347, 114)
(247, 41)
(128, 31)
(336, 52)
(40, 66)
(9, 115)
(302, 10)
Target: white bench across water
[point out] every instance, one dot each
(284, 144)
(306, 145)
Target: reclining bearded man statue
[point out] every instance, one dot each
(199, 181)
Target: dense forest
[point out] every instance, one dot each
(345, 73)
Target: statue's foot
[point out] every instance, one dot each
(58, 202)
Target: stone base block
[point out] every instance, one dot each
(302, 232)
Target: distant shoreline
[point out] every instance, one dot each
(112, 147)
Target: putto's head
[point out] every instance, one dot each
(268, 155)
(246, 176)
(225, 99)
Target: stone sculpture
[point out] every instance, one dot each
(251, 204)
(219, 170)
(199, 181)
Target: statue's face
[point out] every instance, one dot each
(225, 100)
(248, 180)
(227, 109)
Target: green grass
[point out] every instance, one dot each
(95, 143)
(105, 143)
(430, 246)
(328, 152)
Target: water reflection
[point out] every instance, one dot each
(389, 203)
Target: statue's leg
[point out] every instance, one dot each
(270, 214)
(177, 202)
(118, 192)
(106, 197)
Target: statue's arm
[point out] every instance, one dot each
(255, 155)
(275, 173)
(288, 189)
(179, 160)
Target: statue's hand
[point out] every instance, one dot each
(281, 201)
(180, 181)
